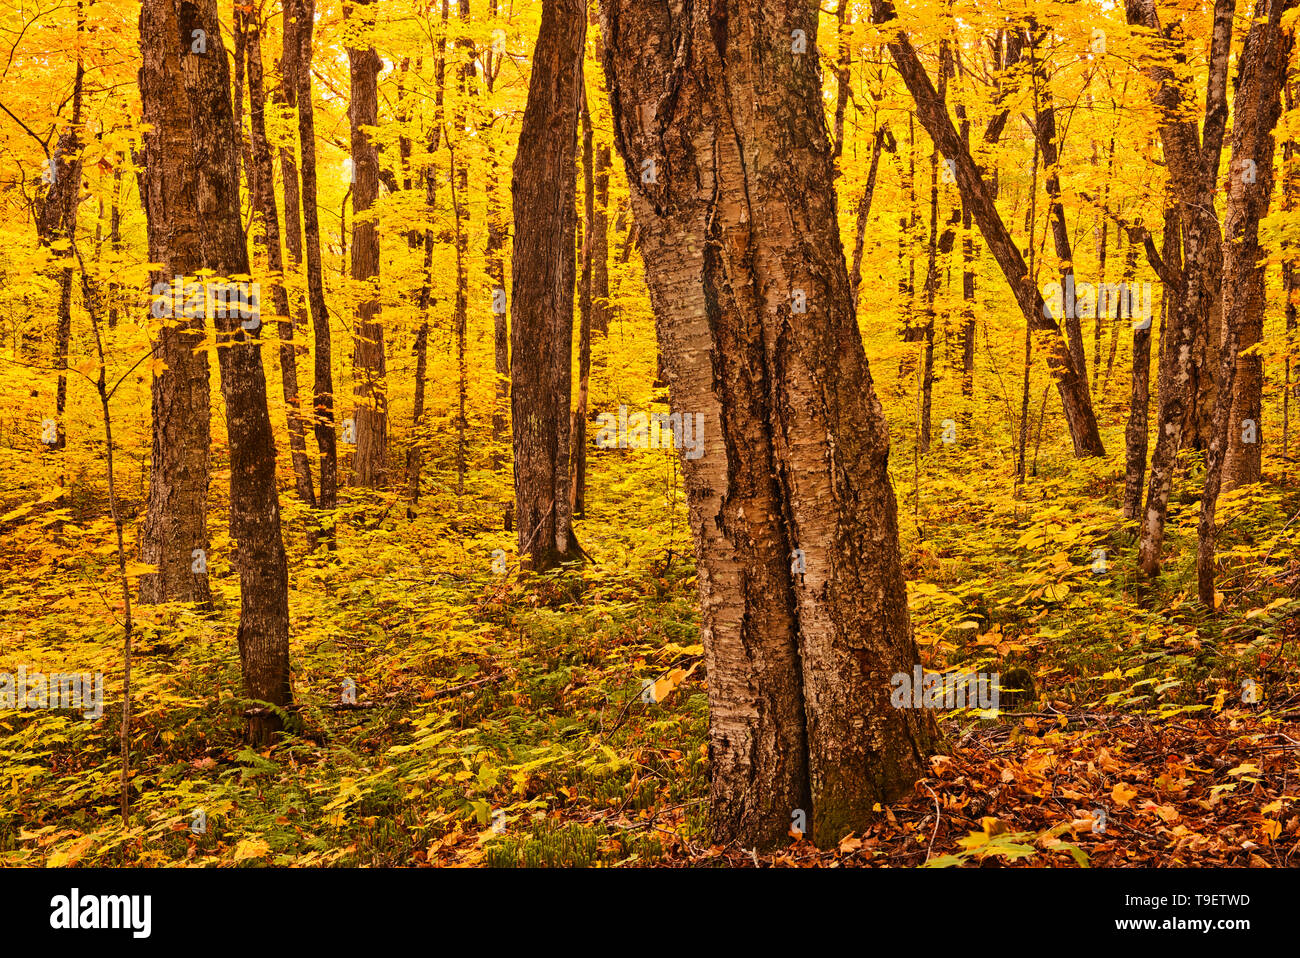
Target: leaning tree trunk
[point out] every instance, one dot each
(543, 275)
(175, 535)
(370, 462)
(719, 120)
(1048, 146)
(1256, 109)
(1071, 381)
(211, 148)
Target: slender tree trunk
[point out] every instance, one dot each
(578, 430)
(543, 280)
(1136, 432)
(211, 148)
(1290, 278)
(931, 290)
(803, 601)
(1258, 104)
(56, 222)
(414, 454)
(1045, 131)
(967, 289)
(370, 461)
(115, 238)
(1031, 226)
(263, 178)
(600, 307)
(864, 207)
(1071, 382)
(303, 20)
(459, 185)
(496, 269)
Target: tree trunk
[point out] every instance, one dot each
(370, 460)
(414, 455)
(1290, 278)
(864, 208)
(543, 280)
(1045, 131)
(496, 270)
(303, 20)
(578, 430)
(211, 148)
(115, 237)
(1258, 104)
(1243, 277)
(600, 308)
(59, 222)
(721, 128)
(174, 537)
(1194, 191)
(1070, 380)
(1137, 429)
(263, 180)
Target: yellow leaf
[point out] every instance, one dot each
(251, 848)
(1121, 794)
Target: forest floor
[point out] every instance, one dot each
(502, 722)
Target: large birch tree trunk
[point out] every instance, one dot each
(718, 118)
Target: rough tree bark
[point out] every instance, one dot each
(804, 615)
(370, 460)
(543, 276)
(211, 148)
(1256, 109)
(175, 525)
(1243, 280)
(1194, 192)
(262, 177)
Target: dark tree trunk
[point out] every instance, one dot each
(543, 280)
(1243, 277)
(864, 208)
(370, 460)
(600, 308)
(1137, 429)
(175, 536)
(254, 500)
(1045, 131)
(323, 375)
(578, 429)
(496, 270)
(58, 222)
(1256, 109)
(263, 179)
